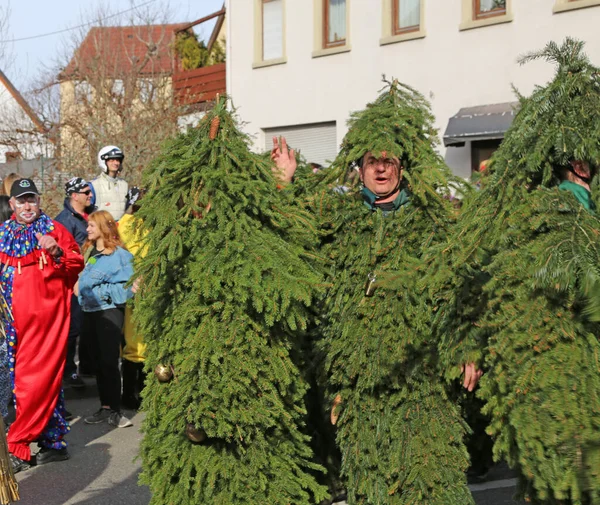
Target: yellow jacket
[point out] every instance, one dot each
(135, 348)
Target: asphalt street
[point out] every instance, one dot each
(103, 468)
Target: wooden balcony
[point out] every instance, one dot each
(198, 86)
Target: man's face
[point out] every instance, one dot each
(26, 208)
(380, 175)
(83, 197)
(113, 166)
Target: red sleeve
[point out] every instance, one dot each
(71, 261)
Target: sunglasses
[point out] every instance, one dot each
(88, 192)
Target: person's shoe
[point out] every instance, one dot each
(98, 417)
(75, 381)
(68, 416)
(119, 420)
(18, 464)
(47, 455)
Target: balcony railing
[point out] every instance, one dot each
(199, 85)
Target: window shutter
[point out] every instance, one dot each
(272, 29)
(316, 142)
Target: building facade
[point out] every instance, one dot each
(23, 136)
(300, 67)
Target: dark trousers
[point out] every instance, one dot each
(133, 383)
(105, 330)
(74, 331)
(87, 358)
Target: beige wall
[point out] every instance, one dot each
(454, 67)
(74, 146)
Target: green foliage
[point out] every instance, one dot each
(195, 54)
(189, 50)
(226, 295)
(517, 289)
(399, 433)
(217, 54)
(399, 123)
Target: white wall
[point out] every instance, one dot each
(452, 68)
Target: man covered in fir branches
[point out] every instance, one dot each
(523, 293)
(399, 433)
(223, 302)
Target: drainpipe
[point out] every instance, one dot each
(228, 53)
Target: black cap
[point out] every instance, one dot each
(133, 195)
(23, 187)
(75, 185)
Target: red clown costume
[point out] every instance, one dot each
(37, 287)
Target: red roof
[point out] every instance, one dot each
(122, 48)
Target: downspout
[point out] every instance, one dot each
(228, 52)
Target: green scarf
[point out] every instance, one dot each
(583, 195)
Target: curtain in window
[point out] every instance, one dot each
(272, 29)
(488, 5)
(336, 17)
(409, 13)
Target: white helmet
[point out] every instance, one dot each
(109, 153)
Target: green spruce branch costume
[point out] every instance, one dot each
(225, 297)
(522, 295)
(399, 433)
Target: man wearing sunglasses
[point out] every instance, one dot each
(73, 217)
(76, 208)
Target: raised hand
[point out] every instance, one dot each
(472, 375)
(284, 159)
(47, 242)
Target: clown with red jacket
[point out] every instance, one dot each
(40, 263)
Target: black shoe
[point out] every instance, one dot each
(46, 455)
(18, 464)
(477, 475)
(97, 417)
(68, 416)
(75, 381)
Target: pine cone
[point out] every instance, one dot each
(214, 127)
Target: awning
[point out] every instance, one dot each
(482, 122)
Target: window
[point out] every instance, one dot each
(569, 5)
(478, 13)
(403, 20)
(83, 92)
(272, 29)
(406, 16)
(146, 90)
(486, 8)
(331, 27)
(118, 88)
(334, 23)
(269, 33)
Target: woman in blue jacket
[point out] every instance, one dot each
(102, 296)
